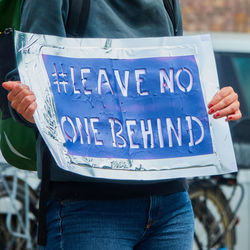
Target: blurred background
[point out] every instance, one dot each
(216, 15)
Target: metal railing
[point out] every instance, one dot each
(18, 199)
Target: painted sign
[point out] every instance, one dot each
(127, 109)
(151, 108)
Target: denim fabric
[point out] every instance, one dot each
(154, 222)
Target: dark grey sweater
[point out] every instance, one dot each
(107, 19)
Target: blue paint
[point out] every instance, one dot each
(85, 102)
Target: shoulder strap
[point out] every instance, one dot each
(169, 6)
(77, 17)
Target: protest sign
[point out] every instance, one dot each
(127, 109)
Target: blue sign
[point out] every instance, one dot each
(150, 108)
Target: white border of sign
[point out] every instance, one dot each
(29, 49)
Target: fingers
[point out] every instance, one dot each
(20, 105)
(226, 92)
(29, 112)
(235, 116)
(22, 99)
(19, 96)
(10, 85)
(225, 104)
(229, 110)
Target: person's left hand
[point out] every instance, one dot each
(225, 104)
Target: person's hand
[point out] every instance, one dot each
(225, 104)
(22, 99)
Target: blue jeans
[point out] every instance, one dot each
(154, 222)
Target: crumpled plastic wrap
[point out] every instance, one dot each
(127, 109)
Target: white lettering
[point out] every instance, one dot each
(202, 130)
(117, 134)
(95, 131)
(87, 130)
(146, 133)
(160, 135)
(167, 81)
(123, 87)
(130, 132)
(84, 79)
(65, 119)
(79, 126)
(63, 82)
(139, 80)
(103, 74)
(190, 84)
(56, 82)
(190, 128)
(189, 122)
(72, 73)
(170, 128)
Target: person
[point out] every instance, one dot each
(83, 213)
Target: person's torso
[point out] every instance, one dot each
(107, 19)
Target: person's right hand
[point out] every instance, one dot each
(22, 99)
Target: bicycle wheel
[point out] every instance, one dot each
(212, 217)
(7, 240)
